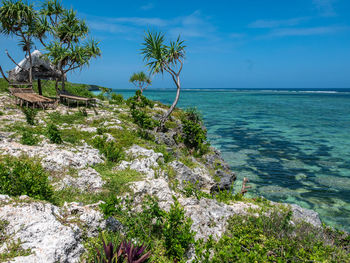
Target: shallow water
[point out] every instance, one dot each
(293, 146)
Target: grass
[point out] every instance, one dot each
(117, 183)
(271, 238)
(13, 248)
(3, 85)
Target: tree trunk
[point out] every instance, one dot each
(56, 86)
(164, 118)
(63, 81)
(30, 68)
(39, 87)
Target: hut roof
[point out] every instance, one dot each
(42, 69)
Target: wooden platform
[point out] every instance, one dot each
(27, 97)
(67, 97)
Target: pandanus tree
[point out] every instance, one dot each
(19, 19)
(68, 51)
(162, 58)
(140, 80)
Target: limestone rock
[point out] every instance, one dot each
(55, 157)
(87, 180)
(146, 162)
(39, 228)
(198, 176)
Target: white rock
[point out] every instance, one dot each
(146, 162)
(87, 180)
(55, 157)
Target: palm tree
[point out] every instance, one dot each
(140, 80)
(160, 58)
(20, 19)
(66, 50)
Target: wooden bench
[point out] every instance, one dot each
(67, 97)
(28, 97)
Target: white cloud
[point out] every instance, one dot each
(148, 6)
(141, 21)
(325, 7)
(278, 23)
(307, 31)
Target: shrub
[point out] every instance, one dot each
(54, 134)
(177, 231)
(101, 97)
(83, 112)
(111, 150)
(142, 119)
(114, 253)
(194, 135)
(30, 115)
(117, 98)
(24, 176)
(271, 238)
(28, 138)
(1, 113)
(58, 118)
(111, 206)
(139, 101)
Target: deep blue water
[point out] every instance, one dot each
(294, 146)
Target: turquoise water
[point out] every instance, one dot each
(293, 146)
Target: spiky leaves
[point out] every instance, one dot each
(161, 57)
(140, 80)
(68, 51)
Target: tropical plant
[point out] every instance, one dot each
(30, 115)
(54, 134)
(24, 176)
(140, 80)
(194, 134)
(160, 58)
(177, 231)
(21, 20)
(66, 51)
(109, 254)
(135, 254)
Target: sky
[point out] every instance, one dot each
(264, 44)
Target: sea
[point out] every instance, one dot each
(293, 145)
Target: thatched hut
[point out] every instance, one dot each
(42, 69)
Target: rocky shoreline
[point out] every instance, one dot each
(56, 233)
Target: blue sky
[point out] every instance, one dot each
(230, 44)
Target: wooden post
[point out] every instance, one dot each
(39, 87)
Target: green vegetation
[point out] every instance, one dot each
(116, 99)
(271, 238)
(177, 232)
(67, 51)
(13, 248)
(3, 85)
(29, 138)
(30, 115)
(138, 104)
(194, 135)
(140, 80)
(59, 119)
(160, 58)
(110, 149)
(54, 134)
(24, 176)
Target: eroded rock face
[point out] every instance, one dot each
(307, 215)
(55, 157)
(146, 161)
(52, 234)
(39, 228)
(87, 180)
(197, 176)
(209, 216)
